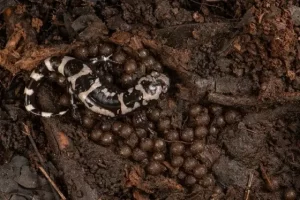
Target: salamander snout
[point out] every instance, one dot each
(160, 80)
(153, 85)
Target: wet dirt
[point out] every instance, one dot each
(239, 60)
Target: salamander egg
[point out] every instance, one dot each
(88, 122)
(61, 80)
(125, 131)
(177, 148)
(64, 100)
(93, 50)
(81, 53)
(200, 132)
(164, 124)
(148, 61)
(130, 66)
(189, 164)
(132, 141)
(127, 80)
(154, 168)
(106, 49)
(105, 126)
(141, 133)
(119, 57)
(202, 119)
(125, 151)
(171, 135)
(138, 154)
(96, 134)
(177, 161)
(116, 126)
(154, 114)
(290, 194)
(146, 144)
(231, 116)
(107, 138)
(199, 171)
(197, 147)
(187, 135)
(158, 156)
(194, 110)
(159, 145)
(190, 180)
(143, 53)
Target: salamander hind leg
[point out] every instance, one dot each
(75, 113)
(30, 91)
(31, 105)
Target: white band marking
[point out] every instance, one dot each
(49, 65)
(84, 71)
(36, 76)
(124, 108)
(28, 92)
(29, 107)
(61, 67)
(63, 112)
(97, 109)
(83, 95)
(46, 114)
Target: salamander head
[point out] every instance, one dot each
(153, 85)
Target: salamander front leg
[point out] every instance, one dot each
(75, 113)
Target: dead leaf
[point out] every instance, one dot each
(62, 140)
(36, 23)
(139, 196)
(135, 179)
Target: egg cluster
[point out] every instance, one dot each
(149, 135)
(160, 147)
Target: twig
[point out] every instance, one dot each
(52, 182)
(264, 174)
(15, 38)
(271, 184)
(2, 195)
(233, 100)
(177, 141)
(252, 100)
(27, 133)
(247, 129)
(168, 165)
(248, 189)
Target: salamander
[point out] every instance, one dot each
(97, 95)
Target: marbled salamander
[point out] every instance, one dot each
(96, 95)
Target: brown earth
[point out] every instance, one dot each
(239, 60)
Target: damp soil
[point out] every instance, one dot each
(238, 60)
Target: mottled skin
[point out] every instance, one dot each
(95, 94)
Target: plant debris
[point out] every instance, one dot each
(228, 128)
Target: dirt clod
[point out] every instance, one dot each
(228, 127)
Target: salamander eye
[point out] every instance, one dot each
(152, 87)
(154, 74)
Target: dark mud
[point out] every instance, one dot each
(234, 68)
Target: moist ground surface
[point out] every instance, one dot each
(233, 104)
